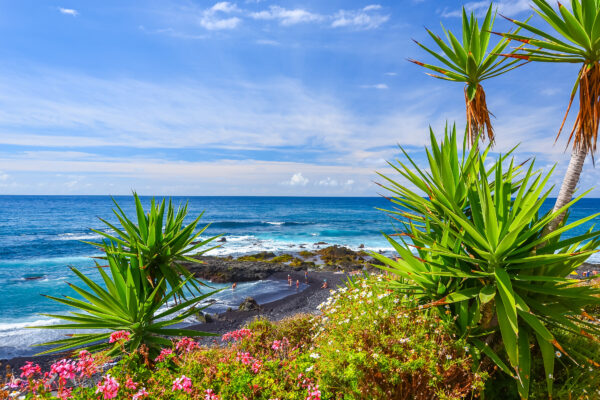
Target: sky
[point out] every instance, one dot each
(247, 97)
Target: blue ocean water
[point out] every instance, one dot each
(40, 236)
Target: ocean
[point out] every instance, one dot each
(40, 236)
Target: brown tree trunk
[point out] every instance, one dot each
(568, 186)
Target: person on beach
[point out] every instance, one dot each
(297, 283)
(234, 285)
(306, 276)
(324, 284)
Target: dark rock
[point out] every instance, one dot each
(222, 239)
(341, 257)
(320, 243)
(33, 277)
(249, 304)
(362, 246)
(220, 270)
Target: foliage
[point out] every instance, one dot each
(161, 242)
(375, 345)
(483, 252)
(389, 347)
(471, 62)
(576, 39)
(128, 304)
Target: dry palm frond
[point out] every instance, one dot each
(478, 116)
(585, 129)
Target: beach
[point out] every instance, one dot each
(304, 301)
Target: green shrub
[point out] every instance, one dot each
(372, 344)
(484, 252)
(161, 242)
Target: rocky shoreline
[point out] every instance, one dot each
(332, 263)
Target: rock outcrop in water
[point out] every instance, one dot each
(221, 270)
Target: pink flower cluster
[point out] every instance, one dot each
(109, 387)
(278, 344)
(313, 392)
(64, 369)
(29, 369)
(86, 366)
(130, 384)
(186, 345)
(236, 335)
(245, 358)
(183, 383)
(163, 355)
(119, 335)
(140, 394)
(209, 394)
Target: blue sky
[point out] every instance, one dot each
(248, 97)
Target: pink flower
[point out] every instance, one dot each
(65, 393)
(109, 387)
(130, 384)
(140, 394)
(182, 383)
(245, 358)
(209, 394)
(278, 344)
(86, 366)
(313, 392)
(119, 335)
(64, 369)
(256, 366)
(186, 345)
(29, 369)
(236, 335)
(163, 355)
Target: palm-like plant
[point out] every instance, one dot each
(128, 303)
(484, 253)
(470, 62)
(576, 39)
(162, 242)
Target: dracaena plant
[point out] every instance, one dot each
(486, 261)
(127, 303)
(162, 241)
(471, 62)
(573, 37)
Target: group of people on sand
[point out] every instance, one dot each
(289, 278)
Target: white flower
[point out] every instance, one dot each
(315, 355)
(308, 369)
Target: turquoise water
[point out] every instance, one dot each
(40, 236)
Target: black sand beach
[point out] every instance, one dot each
(305, 301)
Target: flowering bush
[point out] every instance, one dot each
(372, 344)
(367, 344)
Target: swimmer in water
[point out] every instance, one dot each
(234, 285)
(297, 283)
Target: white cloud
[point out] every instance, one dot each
(349, 182)
(298, 180)
(327, 182)
(379, 86)
(504, 7)
(3, 176)
(68, 11)
(212, 19)
(359, 19)
(268, 42)
(287, 16)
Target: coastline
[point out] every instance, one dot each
(305, 301)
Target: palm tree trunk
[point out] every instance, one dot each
(568, 186)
